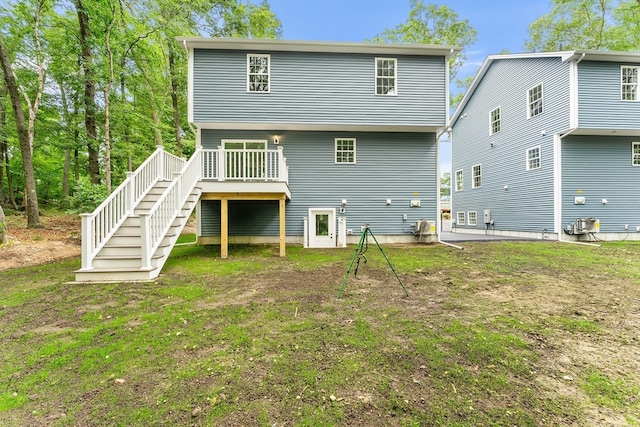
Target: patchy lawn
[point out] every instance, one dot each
(500, 333)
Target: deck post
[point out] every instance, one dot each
(283, 228)
(145, 241)
(87, 239)
(130, 192)
(224, 228)
(220, 166)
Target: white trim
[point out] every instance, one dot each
(455, 182)
(573, 94)
(190, 59)
(458, 222)
(499, 121)
(473, 181)
(395, 77)
(527, 158)
(637, 84)
(248, 71)
(318, 127)
(529, 116)
(335, 151)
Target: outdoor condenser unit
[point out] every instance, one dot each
(422, 229)
(586, 226)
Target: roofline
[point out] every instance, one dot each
(565, 56)
(317, 46)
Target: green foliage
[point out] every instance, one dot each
(87, 197)
(587, 24)
(433, 24)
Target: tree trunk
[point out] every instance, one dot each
(33, 216)
(3, 228)
(89, 93)
(174, 98)
(67, 150)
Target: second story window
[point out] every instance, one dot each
(345, 150)
(386, 76)
(534, 101)
(476, 176)
(258, 69)
(494, 121)
(533, 158)
(630, 83)
(458, 181)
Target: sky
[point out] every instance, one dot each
(501, 24)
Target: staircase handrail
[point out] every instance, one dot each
(155, 223)
(102, 223)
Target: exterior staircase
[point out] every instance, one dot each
(130, 236)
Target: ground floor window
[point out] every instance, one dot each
(636, 154)
(460, 218)
(533, 158)
(472, 217)
(345, 150)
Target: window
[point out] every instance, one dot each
(472, 217)
(636, 153)
(460, 218)
(386, 76)
(345, 150)
(630, 83)
(494, 121)
(534, 101)
(476, 175)
(459, 180)
(533, 158)
(258, 68)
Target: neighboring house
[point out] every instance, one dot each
(300, 142)
(545, 144)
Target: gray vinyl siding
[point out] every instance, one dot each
(318, 88)
(527, 204)
(601, 168)
(599, 98)
(396, 166)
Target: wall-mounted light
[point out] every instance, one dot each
(388, 202)
(492, 144)
(344, 202)
(543, 132)
(276, 139)
(604, 201)
(506, 187)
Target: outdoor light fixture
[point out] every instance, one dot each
(276, 139)
(344, 202)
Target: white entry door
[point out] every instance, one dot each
(322, 228)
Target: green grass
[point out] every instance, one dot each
(261, 340)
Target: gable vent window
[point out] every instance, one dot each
(386, 76)
(630, 83)
(534, 101)
(494, 121)
(258, 69)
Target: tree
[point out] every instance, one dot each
(587, 24)
(432, 24)
(445, 185)
(33, 215)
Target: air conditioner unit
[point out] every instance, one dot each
(423, 228)
(586, 226)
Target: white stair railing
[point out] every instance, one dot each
(155, 223)
(99, 226)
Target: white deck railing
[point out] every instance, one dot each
(99, 226)
(155, 223)
(256, 165)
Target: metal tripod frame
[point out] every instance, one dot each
(361, 249)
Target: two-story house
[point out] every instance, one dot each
(547, 145)
(297, 142)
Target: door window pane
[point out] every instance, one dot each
(322, 225)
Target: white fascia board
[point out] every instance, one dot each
(602, 55)
(317, 46)
(190, 85)
(320, 127)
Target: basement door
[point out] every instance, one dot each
(322, 228)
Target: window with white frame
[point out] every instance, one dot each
(630, 83)
(258, 69)
(345, 150)
(472, 217)
(459, 183)
(636, 153)
(534, 101)
(494, 121)
(533, 158)
(460, 218)
(476, 176)
(386, 76)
